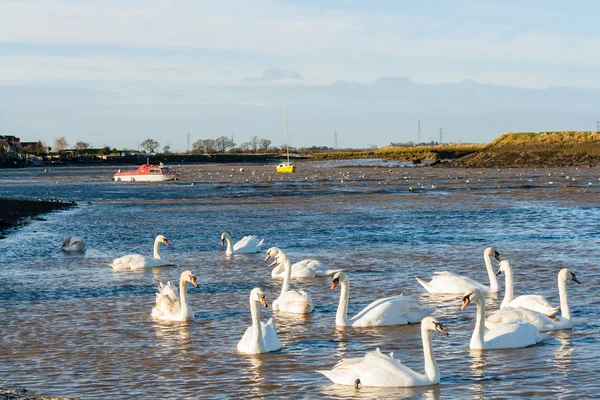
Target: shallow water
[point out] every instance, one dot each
(71, 326)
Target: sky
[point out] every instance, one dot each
(117, 72)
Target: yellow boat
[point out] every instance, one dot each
(286, 167)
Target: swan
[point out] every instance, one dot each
(170, 307)
(73, 243)
(377, 369)
(308, 268)
(248, 244)
(448, 282)
(506, 336)
(136, 261)
(541, 321)
(396, 310)
(294, 301)
(260, 337)
(533, 302)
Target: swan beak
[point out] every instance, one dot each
(193, 280)
(222, 242)
(499, 272)
(167, 242)
(274, 262)
(465, 303)
(267, 257)
(334, 284)
(440, 328)
(497, 256)
(576, 280)
(263, 302)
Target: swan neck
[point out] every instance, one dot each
(256, 327)
(229, 250)
(156, 245)
(287, 275)
(341, 316)
(477, 338)
(564, 303)
(508, 287)
(183, 294)
(491, 273)
(431, 369)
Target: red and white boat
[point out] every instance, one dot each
(146, 173)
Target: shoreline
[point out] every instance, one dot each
(15, 212)
(9, 392)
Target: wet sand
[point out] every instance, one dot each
(13, 212)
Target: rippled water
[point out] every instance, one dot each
(71, 326)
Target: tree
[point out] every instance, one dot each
(167, 149)
(255, 143)
(81, 146)
(204, 146)
(149, 145)
(60, 144)
(224, 143)
(106, 150)
(264, 144)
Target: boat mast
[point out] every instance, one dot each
(287, 144)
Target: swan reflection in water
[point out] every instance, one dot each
(479, 365)
(256, 377)
(345, 392)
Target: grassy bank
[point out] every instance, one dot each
(405, 153)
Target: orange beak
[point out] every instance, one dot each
(334, 285)
(167, 242)
(194, 281)
(263, 302)
(465, 303)
(222, 242)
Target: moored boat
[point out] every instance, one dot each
(146, 173)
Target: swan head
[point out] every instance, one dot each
(567, 275)
(187, 276)
(491, 252)
(257, 295)
(66, 240)
(224, 236)
(338, 278)
(503, 267)
(470, 296)
(432, 324)
(162, 239)
(275, 253)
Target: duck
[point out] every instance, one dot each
(259, 337)
(533, 302)
(539, 320)
(168, 306)
(292, 301)
(137, 261)
(505, 336)
(246, 245)
(383, 370)
(308, 268)
(395, 310)
(448, 282)
(73, 244)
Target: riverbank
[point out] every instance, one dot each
(14, 212)
(20, 393)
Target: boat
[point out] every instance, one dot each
(146, 173)
(286, 166)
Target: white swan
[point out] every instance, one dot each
(248, 244)
(136, 261)
(448, 282)
(377, 369)
(507, 336)
(308, 268)
(260, 337)
(73, 244)
(541, 321)
(294, 301)
(396, 310)
(168, 305)
(533, 302)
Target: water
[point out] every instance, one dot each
(71, 326)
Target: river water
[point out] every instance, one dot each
(71, 326)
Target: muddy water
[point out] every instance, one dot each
(71, 326)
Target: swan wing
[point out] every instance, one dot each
(72, 243)
(509, 315)
(248, 244)
(513, 335)
(534, 302)
(167, 305)
(270, 333)
(295, 301)
(395, 310)
(448, 282)
(137, 261)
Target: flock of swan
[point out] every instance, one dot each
(520, 321)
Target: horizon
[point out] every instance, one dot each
(113, 73)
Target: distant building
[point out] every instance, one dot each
(33, 147)
(14, 143)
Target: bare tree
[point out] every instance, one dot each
(254, 143)
(150, 145)
(60, 144)
(264, 144)
(224, 143)
(81, 146)
(204, 146)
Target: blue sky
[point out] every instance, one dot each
(117, 72)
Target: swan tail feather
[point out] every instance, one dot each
(426, 285)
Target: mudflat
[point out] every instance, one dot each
(13, 212)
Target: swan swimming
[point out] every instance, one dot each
(541, 321)
(395, 310)
(293, 301)
(246, 245)
(533, 302)
(308, 268)
(137, 261)
(506, 336)
(73, 244)
(260, 337)
(448, 282)
(170, 307)
(378, 369)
